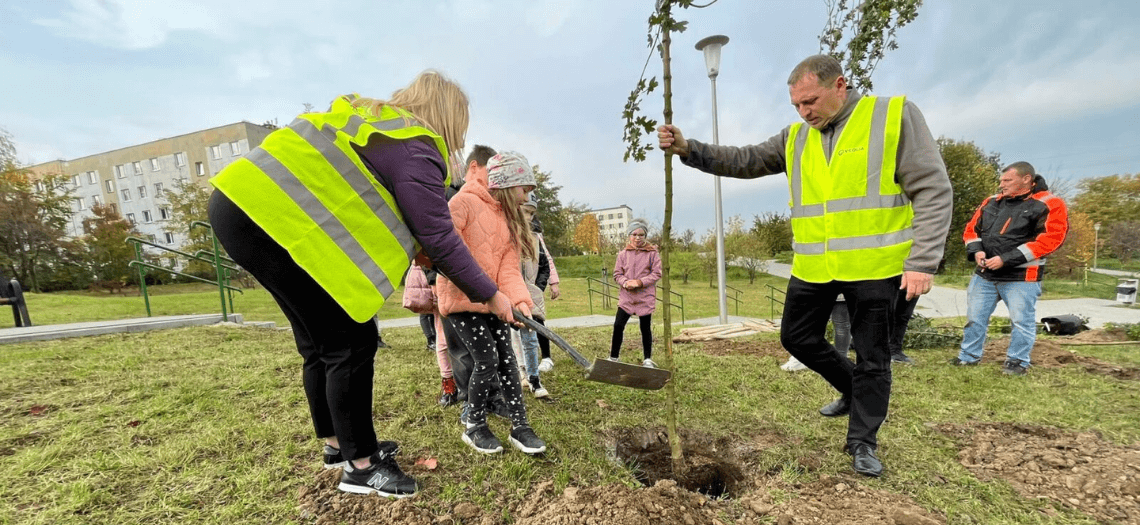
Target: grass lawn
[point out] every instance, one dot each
(210, 425)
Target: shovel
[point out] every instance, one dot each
(603, 370)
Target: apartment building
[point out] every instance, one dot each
(612, 222)
(134, 179)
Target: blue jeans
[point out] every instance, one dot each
(981, 298)
(529, 340)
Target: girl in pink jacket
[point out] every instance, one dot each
(637, 269)
(487, 217)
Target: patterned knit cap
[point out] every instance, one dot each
(507, 170)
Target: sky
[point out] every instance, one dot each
(1052, 82)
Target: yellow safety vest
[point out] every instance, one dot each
(850, 219)
(310, 191)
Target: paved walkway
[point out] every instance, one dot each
(940, 302)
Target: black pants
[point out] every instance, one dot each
(904, 311)
(620, 320)
(868, 381)
(494, 369)
(543, 342)
(427, 325)
(338, 352)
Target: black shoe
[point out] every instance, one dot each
(524, 439)
(380, 342)
(482, 439)
(958, 362)
(839, 407)
(901, 358)
(1013, 367)
(383, 476)
(864, 461)
(431, 345)
(333, 459)
(497, 406)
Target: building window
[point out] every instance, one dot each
(96, 201)
(201, 169)
(131, 218)
(110, 184)
(39, 185)
(80, 204)
(180, 159)
(169, 238)
(164, 213)
(146, 215)
(150, 237)
(126, 195)
(120, 172)
(235, 148)
(137, 166)
(142, 192)
(216, 152)
(158, 189)
(114, 208)
(75, 180)
(154, 164)
(92, 177)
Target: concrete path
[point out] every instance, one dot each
(951, 302)
(58, 331)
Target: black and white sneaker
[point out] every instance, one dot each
(498, 407)
(536, 386)
(482, 439)
(383, 476)
(333, 459)
(524, 439)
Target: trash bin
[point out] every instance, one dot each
(1126, 291)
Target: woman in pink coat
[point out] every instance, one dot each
(637, 269)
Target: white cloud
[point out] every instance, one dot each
(129, 24)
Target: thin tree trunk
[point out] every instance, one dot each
(666, 287)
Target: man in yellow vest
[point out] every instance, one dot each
(870, 210)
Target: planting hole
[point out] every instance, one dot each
(709, 464)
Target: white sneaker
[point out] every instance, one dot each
(793, 365)
(614, 359)
(546, 365)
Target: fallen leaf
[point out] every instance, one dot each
(134, 423)
(429, 463)
(37, 410)
(602, 403)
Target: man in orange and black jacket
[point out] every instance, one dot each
(1008, 238)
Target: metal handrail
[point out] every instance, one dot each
(735, 296)
(607, 295)
(772, 300)
(222, 267)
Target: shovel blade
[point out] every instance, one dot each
(623, 374)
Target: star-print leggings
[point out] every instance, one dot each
(489, 341)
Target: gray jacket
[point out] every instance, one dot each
(919, 171)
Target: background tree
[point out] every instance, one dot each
(860, 32)
(1109, 200)
(974, 175)
(189, 203)
(586, 233)
(105, 236)
(1077, 251)
(1124, 241)
(33, 219)
(685, 241)
(774, 230)
(555, 228)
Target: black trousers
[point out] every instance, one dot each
(493, 367)
(867, 381)
(427, 325)
(646, 322)
(338, 352)
(904, 311)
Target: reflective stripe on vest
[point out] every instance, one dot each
(310, 191)
(850, 219)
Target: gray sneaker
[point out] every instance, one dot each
(524, 439)
(648, 363)
(1013, 367)
(482, 439)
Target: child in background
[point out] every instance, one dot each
(487, 217)
(535, 273)
(636, 270)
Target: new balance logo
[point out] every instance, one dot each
(378, 480)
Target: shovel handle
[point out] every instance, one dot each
(542, 329)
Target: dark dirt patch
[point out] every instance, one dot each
(748, 496)
(752, 347)
(1048, 354)
(1075, 470)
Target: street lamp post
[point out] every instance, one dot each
(1096, 242)
(711, 48)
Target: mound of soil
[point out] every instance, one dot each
(1048, 354)
(1077, 470)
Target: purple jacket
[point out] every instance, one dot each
(413, 173)
(644, 265)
